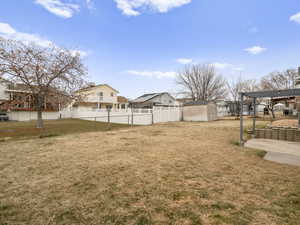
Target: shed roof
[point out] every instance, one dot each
(196, 103)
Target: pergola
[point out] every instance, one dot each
(262, 94)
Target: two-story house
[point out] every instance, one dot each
(93, 97)
(18, 97)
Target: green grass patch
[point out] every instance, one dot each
(48, 135)
(52, 128)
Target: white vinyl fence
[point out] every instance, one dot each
(27, 115)
(128, 116)
(122, 116)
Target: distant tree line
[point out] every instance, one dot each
(202, 82)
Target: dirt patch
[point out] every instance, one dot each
(285, 123)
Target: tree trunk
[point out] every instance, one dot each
(272, 111)
(40, 103)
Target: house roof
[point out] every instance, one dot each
(122, 99)
(95, 86)
(147, 97)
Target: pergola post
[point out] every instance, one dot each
(241, 119)
(254, 116)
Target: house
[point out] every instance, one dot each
(154, 99)
(200, 111)
(17, 97)
(100, 96)
(3, 94)
(123, 102)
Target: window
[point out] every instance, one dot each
(100, 95)
(112, 94)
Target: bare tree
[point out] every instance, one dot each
(239, 85)
(202, 82)
(236, 86)
(279, 80)
(43, 71)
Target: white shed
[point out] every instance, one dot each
(200, 111)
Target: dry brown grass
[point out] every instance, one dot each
(177, 173)
(285, 123)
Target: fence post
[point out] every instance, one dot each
(131, 117)
(128, 119)
(152, 116)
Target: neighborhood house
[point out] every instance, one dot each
(17, 97)
(100, 96)
(154, 99)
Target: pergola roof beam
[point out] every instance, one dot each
(271, 94)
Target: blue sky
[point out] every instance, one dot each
(137, 46)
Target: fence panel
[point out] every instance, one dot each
(167, 114)
(122, 116)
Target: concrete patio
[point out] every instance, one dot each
(277, 151)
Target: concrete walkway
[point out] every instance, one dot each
(277, 151)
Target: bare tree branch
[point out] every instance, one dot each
(202, 82)
(44, 71)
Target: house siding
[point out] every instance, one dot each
(92, 95)
(3, 94)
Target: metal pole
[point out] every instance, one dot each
(131, 117)
(241, 120)
(254, 116)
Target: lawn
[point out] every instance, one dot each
(167, 174)
(17, 130)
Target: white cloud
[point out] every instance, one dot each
(157, 74)
(228, 67)
(295, 18)
(59, 8)
(134, 7)
(255, 50)
(184, 61)
(222, 65)
(8, 32)
(5, 28)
